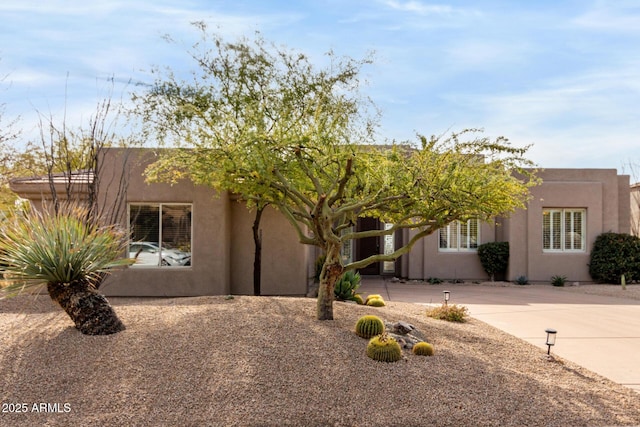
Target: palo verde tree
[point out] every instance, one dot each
(247, 93)
(265, 123)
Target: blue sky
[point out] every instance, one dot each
(561, 75)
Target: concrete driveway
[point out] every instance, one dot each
(599, 333)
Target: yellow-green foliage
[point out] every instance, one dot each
(384, 348)
(369, 326)
(423, 349)
(358, 298)
(375, 302)
(451, 313)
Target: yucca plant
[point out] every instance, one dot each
(70, 252)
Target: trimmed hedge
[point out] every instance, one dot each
(613, 255)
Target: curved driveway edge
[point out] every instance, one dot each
(600, 333)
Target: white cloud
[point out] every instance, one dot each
(619, 16)
(562, 77)
(591, 121)
(472, 53)
(421, 8)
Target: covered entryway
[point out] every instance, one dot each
(376, 245)
(368, 246)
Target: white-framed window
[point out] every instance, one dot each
(460, 236)
(564, 230)
(347, 248)
(160, 234)
(389, 248)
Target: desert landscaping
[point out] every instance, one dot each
(249, 361)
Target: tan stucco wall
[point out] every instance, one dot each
(603, 194)
(635, 209)
(624, 209)
(283, 257)
(222, 244)
(426, 260)
(210, 270)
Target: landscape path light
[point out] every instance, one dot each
(551, 339)
(447, 295)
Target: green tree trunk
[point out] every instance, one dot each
(90, 311)
(331, 271)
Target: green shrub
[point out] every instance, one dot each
(522, 280)
(434, 281)
(369, 326)
(384, 348)
(450, 313)
(346, 286)
(422, 349)
(494, 257)
(614, 255)
(558, 280)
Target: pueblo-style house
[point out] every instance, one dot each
(189, 240)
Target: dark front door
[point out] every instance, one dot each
(368, 246)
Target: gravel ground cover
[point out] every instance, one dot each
(631, 291)
(266, 361)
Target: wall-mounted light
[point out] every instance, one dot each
(447, 295)
(551, 339)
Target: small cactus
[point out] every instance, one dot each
(369, 326)
(384, 348)
(375, 302)
(423, 349)
(358, 298)
(372, 296)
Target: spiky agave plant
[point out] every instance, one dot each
(346, 286)
(69, 252)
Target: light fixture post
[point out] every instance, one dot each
(447, 295)
(551, 339)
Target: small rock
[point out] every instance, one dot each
(403, 328)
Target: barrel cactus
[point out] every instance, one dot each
(375, 302)
(358, 298)
(369, 326)
(372, 296)
(384, 348)
(423, 349)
